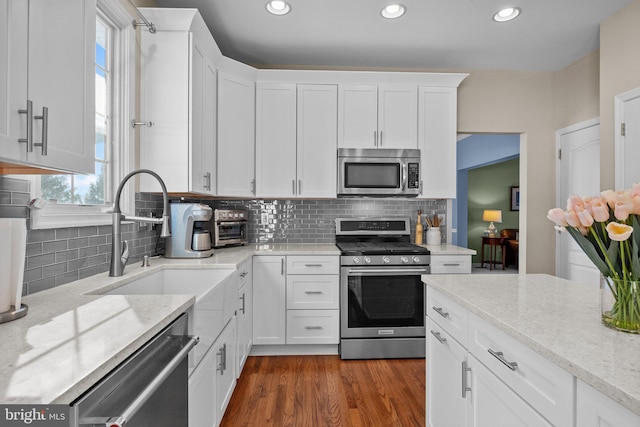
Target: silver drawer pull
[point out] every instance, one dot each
(440, 338)
(313, 292)
(465, 385)
(313, 327)
(500, 356)
(452, 264)
(440, 311)
(313, 265)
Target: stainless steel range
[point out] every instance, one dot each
(381, 291)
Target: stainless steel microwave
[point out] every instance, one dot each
(381, 172)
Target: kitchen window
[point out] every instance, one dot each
(77, 200)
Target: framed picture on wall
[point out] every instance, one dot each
(515, 198)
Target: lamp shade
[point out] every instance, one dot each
(492, 216)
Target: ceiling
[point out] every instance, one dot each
(433, 34)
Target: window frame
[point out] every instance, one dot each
(122, 154)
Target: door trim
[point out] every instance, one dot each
(619, 140)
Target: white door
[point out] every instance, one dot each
(317, 140)
(627, 124)
(578, 173)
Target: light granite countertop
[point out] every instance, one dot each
(72, 337)
(558, 319)
(448, 249)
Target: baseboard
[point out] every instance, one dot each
(293, 350)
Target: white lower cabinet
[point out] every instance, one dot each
(269, 289)
(483, 377)
(202, 393)
(225, 376)
(594, 409)
(450, 264)
(313, 326)
(244, 316)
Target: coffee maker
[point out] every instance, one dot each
(190, 235)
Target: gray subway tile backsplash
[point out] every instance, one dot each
(58, 256)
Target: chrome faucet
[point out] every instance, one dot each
(120, 249)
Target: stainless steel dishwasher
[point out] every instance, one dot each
(150, 388)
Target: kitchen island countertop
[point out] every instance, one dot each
(558, 319)
(71, 336)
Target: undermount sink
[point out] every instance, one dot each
(216, 300)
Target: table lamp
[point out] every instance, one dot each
(492, 216)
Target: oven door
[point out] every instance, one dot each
(382, 302)
(230, 233)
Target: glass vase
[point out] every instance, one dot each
(620, 304)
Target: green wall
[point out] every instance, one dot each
(490, 188)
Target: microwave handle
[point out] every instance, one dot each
(404, 176)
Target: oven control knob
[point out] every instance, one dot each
(416, 259)
(356, 260)
(386, 259)
(367, 260)
(404, 260)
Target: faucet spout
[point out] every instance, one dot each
(118, 258)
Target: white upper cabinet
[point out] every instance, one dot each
(178, 88)
(382, 116)
(296, 140)
(47, 62)
(236, 135)
(437, 141)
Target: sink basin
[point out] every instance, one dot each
(216, 296)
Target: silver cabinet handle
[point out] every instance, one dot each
(282, 266)
(439, 337)
(45, 130)
(253, 186)
(313, 327)
(293, 186)
(500, 356)
(375, 138)
(440, 311)
(243, 303)
(299, 187)
(313, 265)
(451, 264)
(313, 292)
(29, 139)
(243, 274)
(380, 138)
(134, 123)
(222, 366)
(465, 386)
(148, 391)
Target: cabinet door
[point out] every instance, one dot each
(494, 404)
(202, 392)
(397, 116)
(269, 314)
(594, 409)
(244, 325)
(317, 140)
(61, 78)
(224, 350)
(357, 116)
(276, 140)
(203, 118)
(236, 135)
(445, 404)
(164, 147)
(13, 78)
(437, 141)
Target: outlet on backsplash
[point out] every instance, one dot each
(264, 219)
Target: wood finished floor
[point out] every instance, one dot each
(314, 391)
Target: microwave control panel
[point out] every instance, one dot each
(414, 175)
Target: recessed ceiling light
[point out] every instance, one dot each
(393, 11)
(278, 7)
(507, 14)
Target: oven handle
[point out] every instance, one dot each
(385, 271)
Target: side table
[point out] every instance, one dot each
(494, 243)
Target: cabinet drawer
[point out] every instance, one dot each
(451, 316)
(312, 292)
(313, 265)
(450, 264)
(545, 386)
(312, 326)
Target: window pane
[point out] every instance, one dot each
(56, 188)
(101, 44)
(101, 113)
(91, 187)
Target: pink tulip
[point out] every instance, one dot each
(610, 197)
(635, 202)
(621, 211)
(619, 232)
(574, 202)
(583, 230)
(572, 219)
(599, 210)
(635, 190)
(586, 220)
(557, 215)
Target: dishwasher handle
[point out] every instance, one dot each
(141, 399)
